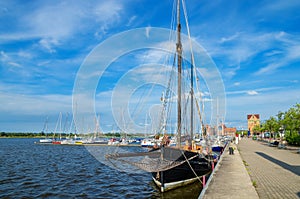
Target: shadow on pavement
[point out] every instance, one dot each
(294, 169)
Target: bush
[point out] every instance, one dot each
(293, 139)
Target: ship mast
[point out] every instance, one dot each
(192, 100)
(179, 61)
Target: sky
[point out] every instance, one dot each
(44, 45)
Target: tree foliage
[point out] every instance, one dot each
(288, 122)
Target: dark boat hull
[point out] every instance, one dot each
(217, 148)
(183, 174)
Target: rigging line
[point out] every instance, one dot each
(173, 19)
(66, 122)
(143, 97)
(198, 177)
(167, 96)
(191, 49)
(188, 30)
(45, 129)
(139, 106)
(166, 109)
(56, 126)
(200, 115)
(200, 95)
(186, 95)
(185, 111)
(70, 128)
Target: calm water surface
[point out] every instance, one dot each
(29, 170)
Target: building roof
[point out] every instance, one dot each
(255, 115)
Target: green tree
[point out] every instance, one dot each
(289, 121)
(257, 129)
(291, 124)
(3, 134)
(272, 125)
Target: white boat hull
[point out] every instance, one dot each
(173, 185)
(45, 140)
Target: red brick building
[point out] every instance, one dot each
(229, 130)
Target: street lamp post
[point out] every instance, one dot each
(281, 130)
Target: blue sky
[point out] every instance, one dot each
(254, 44)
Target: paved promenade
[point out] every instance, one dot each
(276, 172)
(230, 180)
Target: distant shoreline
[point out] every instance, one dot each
(7, 137)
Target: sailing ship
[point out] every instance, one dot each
(191, 164)
(176, 165)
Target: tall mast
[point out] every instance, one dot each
(192, 99)
(179, 60)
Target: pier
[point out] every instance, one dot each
(256, 170)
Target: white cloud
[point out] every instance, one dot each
(279, 6)
(273, 53)
(289, 54)
(230, 38)
(131, 20)
(276, 49)
(27, 113)
(293, 51)
(230, 72)
(266, 104)
(107, 13)
(49, 44)
(252, 92)
(60, 21)
(52, 20)
(20, 104)
(25, 54)
(14, 64)
(4, 56)
(9, 61)
(269, 68)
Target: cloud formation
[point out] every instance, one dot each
(255, 46)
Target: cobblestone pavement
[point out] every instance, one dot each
(230, 180)
(276, 172)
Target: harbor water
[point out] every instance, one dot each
(31, 170)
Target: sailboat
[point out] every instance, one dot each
(57, 141)
(176, 165)
(190, 163)
(45, 129)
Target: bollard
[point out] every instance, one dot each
(203, 181)
(212, 165)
